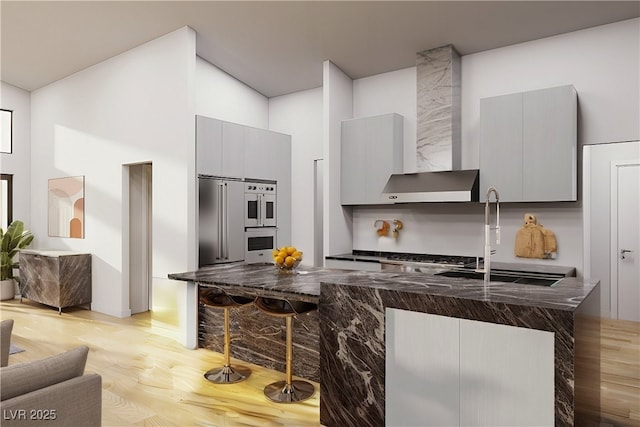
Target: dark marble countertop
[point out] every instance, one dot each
(265, 280)
(378, 257)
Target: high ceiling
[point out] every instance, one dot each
(278, 47)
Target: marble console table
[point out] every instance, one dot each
(56, 278)
(351, 325)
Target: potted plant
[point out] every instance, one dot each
(11, 241)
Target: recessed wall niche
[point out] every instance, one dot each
(66, 207)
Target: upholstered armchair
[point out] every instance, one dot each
(53, 391)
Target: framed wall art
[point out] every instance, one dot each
(66, 207)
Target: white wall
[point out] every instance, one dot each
(17, 163)
(221, 96)
(337, 104)
(601, 62)
(597, 197)
(136, 107)
(393, 92)
(300, 115)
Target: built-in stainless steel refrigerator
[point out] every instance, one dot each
(220, 220)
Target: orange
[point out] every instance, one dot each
(297, 255)
(289, 261)
(279, 260)
(291, 250)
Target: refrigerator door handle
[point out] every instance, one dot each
(220, 220)
(225, 225)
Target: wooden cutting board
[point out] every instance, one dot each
(534, 241)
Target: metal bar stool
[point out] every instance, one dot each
(287, 391)
(216, 298)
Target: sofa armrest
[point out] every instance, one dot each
(75, 402)
(5, 341)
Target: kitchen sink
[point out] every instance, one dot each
(502, 276)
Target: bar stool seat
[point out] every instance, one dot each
(288, 391)
(217, 298)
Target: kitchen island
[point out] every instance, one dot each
(352, 311)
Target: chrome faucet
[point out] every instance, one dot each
(486, 269)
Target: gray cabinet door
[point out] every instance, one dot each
(501, 146)
(550, 144)
(445, 371)
(233, 150)
(208, 146)
(353, 162)
(257, 157)
(528, 145)
(371, 150)
(219, 148)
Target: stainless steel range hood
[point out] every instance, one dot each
(442, 186)
(438, 145)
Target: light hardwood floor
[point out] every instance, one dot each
(620, 373)
(150, 379)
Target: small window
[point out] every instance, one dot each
(6, 131)
(6, 200)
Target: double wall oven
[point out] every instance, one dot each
(260, 203)
(260, 220)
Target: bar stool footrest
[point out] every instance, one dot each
(281, 392)
(227, 374)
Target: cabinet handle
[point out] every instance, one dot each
(624, 251)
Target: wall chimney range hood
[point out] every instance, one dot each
(442, 186)
(438, 139)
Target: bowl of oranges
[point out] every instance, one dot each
(287, 259)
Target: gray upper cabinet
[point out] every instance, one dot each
(233, 141)
(208, 146)
(371, 150)
(528, 145)
(219, 148)
(266, 153)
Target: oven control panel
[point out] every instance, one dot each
(259, 188)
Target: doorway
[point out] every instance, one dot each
(625, 240)
(608, 192)
(318, 212)
(140, 202)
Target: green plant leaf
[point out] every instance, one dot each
(14, 239)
